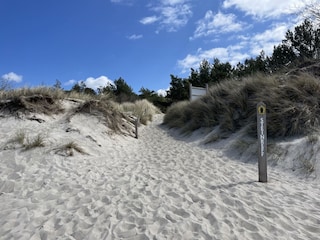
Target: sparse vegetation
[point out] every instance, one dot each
(19, 137)
(308, 165)
(24, 141)
(37, 141)
(69, 148)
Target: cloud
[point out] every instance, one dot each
(162, 92)
(246, 46)
(217, 24)
(173, 2)
(95, 83)
(92, 82)
(70, 82)
(266, 8)
(12, 77)
(230, 54)
(268, 39)
(135, 37)
(170, 14)
(149, 20)
(123, 2)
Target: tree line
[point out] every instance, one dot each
(298, 46)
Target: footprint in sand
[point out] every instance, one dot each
(125, 230)
(6, 186)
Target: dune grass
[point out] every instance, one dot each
(37, 141)
(48, 101)
(69, 148)
(114, 118)
(19, 137)
(38, 100)
(142, 109)
(41, 99)
(25, 141)
(292, 106)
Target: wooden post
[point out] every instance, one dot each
(262, 141)
(136, 125)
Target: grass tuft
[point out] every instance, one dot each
(19, 137)
(37, 141)
(69, 148)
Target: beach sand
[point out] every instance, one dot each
(159, 186)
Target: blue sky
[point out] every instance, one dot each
(142, 41)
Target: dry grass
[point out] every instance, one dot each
(115, 119)
(145, 110)
(19, 137)
(24, 141)
(69, 148)
(41, 100)
(44, 91)
(37, 141)
(142, 109)
(36, 100)
(292, 106)
(176, 115)
(48, 101)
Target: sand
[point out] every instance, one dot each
(159, 186)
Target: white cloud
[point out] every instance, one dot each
(123, 2)
(70, 82)
(218, 23)
(231, 54)
(268, 39)
(162, 92)
(249, 45)
(135, 37)
(149, 20)
(12, 77)
(266, 8)
(173, 2)
(93, 83)
(170, 14)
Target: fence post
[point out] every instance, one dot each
(262, 141)
(136, 125)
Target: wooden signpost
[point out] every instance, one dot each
(262, 141)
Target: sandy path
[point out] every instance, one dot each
(156, 187)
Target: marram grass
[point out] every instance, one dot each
(292, 106)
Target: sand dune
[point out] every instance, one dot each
(156, 187)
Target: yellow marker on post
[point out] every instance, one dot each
(262, 141)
